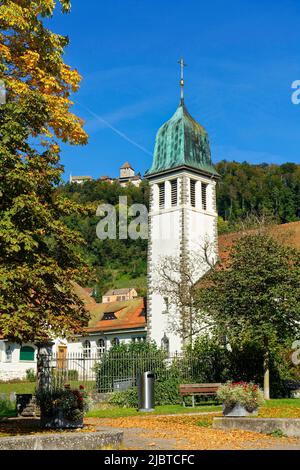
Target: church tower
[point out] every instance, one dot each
(182, 216)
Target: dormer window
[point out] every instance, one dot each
(109, 316)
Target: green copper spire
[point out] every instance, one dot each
(181, 141)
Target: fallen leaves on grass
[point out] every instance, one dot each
(283, 412)
(187, 433)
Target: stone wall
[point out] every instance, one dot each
(64, 441)
(288, 426)
(11, 370)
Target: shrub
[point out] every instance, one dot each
(30, 375)
(248, 395)
(73, 374)
(7, 408)
(211, 360)
(165, 393)
(72, 403)
(125, 399)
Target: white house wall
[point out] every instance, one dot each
(16, 369)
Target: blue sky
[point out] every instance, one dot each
(242, 57)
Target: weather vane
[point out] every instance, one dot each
(182, 65)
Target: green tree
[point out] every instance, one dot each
(259, 190)
(118, 263)
(38, 254)
(255, 297)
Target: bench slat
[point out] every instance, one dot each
(199, 389)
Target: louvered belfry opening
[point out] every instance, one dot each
(193, 192)
(161, 188)
(204, 196)
(174, 192)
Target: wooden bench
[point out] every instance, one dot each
(192, 390)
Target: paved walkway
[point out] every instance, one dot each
(136, 439)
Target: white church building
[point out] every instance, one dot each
(183, 214)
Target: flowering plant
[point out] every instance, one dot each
(246, 394)
(70, 403)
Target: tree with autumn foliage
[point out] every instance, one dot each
(254, 297)
(39, 259)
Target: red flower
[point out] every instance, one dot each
(81, 387)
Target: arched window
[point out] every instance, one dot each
(101, 346)
(165, 343)
(26, 353)
(115, 341)
(86, 349)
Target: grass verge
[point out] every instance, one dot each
(159, 410)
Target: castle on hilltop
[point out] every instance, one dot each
(126, 175)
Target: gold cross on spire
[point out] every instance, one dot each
(182, 65)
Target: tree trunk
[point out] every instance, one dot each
(267, 376)
(43, 376)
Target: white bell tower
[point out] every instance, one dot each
(182, 215)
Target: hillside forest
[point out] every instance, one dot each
(244, 193)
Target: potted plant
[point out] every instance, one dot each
(62, 407)
(240, 398)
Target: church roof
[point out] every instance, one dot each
(182, 141)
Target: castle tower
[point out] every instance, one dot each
(182, 216)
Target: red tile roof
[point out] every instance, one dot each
(128, 315)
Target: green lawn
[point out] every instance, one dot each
(283, 405)
(19, 387)
(159, 410)
(29, 387)
(282, 402)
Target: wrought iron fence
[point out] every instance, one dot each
(115, 371)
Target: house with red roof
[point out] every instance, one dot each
(110, 323)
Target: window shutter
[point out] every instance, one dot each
(26, 353)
